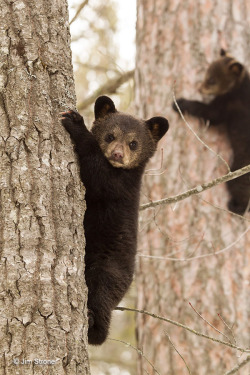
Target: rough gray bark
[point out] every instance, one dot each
(43, 293)
(175, 42)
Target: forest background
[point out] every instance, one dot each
(192, 274)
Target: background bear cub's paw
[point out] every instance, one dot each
(236, 207)
(182, 104)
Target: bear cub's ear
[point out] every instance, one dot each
(103, 106)
(158, 126)
(235, 67)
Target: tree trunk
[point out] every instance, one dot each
(43, 292)
(175, 42)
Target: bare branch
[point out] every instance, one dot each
(139, 351)
(79, 9)
(99, 68)
(198, 256)
(236, 368)
(198, 189)
(177, 351)
(120, 308)
(227, 326)
(206, 321)
(109, 87)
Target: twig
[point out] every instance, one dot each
(178, 352)
(120, 308)
(199, 256)
(227, 326)
(237, 367)
(157, 171)
(244, 218)
(109, 87)
(198, 189)
(138, 351)
(211, 325)
(196, 135)
(79, 9)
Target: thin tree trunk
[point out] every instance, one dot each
(175, 42)
(43, 293)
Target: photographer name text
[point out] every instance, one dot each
(36, 361)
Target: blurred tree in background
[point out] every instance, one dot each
(175, 43)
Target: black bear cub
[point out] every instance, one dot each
(112, 159)
(228, 82)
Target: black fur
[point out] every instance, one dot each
(230, 105)
(110, 222)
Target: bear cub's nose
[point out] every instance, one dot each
(117, 153)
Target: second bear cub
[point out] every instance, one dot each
(112, 159)
(228, 82)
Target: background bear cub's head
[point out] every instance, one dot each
(223, 76)
(126, 142)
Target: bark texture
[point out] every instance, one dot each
(176, 41)
(43, 293)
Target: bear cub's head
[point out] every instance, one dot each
(126, 142)
(222, 76)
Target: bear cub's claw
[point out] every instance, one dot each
(72, 121)
(72, 115)
(90, 318)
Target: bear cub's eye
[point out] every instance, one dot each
(133, 145)
(109, 138)
(211, 81)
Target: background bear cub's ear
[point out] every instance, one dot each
(103, 106)
(158, 126)
(223, 52)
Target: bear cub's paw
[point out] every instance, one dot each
(72, 121)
